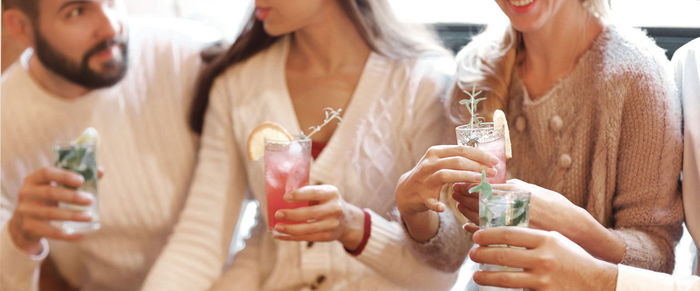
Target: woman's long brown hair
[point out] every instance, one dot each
(374, 20)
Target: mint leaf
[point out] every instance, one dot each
(483, 187)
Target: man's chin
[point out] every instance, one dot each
(108, 75)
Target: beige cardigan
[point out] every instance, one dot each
(608, 137)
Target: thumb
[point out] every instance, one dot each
(434, 205)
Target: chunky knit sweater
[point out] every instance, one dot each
(395, 114)
(146, 150)
(608, 137)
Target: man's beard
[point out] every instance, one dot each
(81, 74)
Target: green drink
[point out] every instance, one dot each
(80, 156)
(502, 208)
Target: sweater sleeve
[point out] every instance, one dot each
(634, 279)
(387, 252)
(448, 249)
(450, 246)
(24, 271)
(390, 250)
(244, 272)
(196, 251)
(647, 207)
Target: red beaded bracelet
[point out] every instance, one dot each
(365, 235)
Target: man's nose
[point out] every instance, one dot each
(109, 22)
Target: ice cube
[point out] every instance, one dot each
(285, 166)
(273, 180)
(295, 149)
(296, 178)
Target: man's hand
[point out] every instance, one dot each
(37, 206)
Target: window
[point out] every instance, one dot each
(224, 15)
(656, 13)
(448, 11)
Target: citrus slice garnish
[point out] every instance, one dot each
(266, 130)
(89, 135)
(499, 121)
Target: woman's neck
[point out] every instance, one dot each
(330, 44)
(552, 52)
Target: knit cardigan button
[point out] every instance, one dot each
(520, 123)
(565, 161)
(556, 123)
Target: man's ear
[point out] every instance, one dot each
(19, 26)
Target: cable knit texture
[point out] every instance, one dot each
(145, 148)
(608, 137)
(392, 118)
(444, 250)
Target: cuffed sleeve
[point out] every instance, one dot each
(648, 210)
(448, 248)
(387, 253)
(20, 271)
(635, 279)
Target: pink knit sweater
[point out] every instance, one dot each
(608, 137)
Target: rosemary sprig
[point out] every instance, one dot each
(330, 115)
(472, 104)
(474, 119)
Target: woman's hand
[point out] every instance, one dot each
(328, 218)
(550, 261)
(548, 210)
(552, 211)
(418, 190)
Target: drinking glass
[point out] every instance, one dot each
(287, 166)
(82, 159)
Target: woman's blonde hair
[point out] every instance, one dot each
(488, 61)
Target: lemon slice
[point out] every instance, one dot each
(266, 130)
(499, 121)
(89, 135)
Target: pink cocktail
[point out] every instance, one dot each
(287, 166)
(485, 137)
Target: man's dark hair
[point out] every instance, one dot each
(29, 7)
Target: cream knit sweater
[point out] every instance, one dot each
(395, 114)
(146, 150)
(608, 137)
(686, 61)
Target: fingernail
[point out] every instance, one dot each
(279, 227)
(84, 215)
(84, 197)
(279, 214)
(441, 207)
(287, 197)
(77, 179)
(491, 172)
(494, 161)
